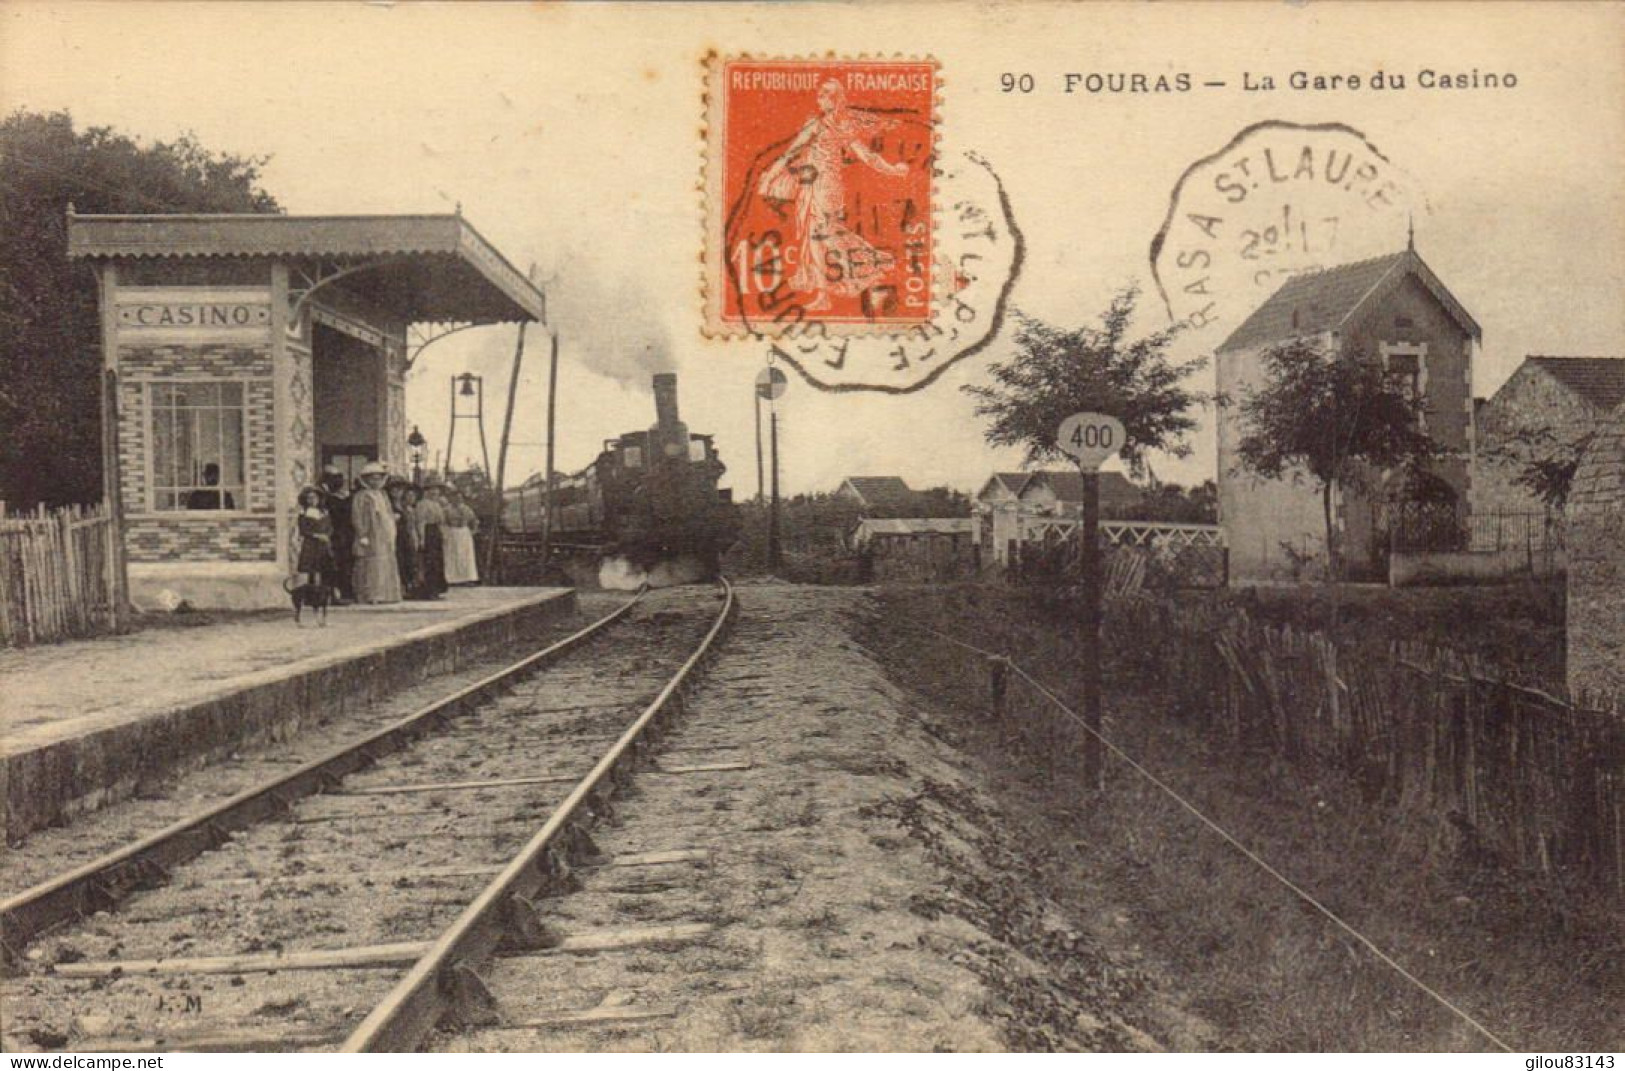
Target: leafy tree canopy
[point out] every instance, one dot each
(50, 356)
(1330, 415)
(1546, 462)
(1056, 372)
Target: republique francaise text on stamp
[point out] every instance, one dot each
(819, 186)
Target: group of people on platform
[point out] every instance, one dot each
(386, 539)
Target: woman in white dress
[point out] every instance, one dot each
(458, 530)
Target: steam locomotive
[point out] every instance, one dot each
(650, 497)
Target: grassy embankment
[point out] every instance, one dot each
(1543, 970)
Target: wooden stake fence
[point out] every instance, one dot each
(1504, 770)
(58, 574)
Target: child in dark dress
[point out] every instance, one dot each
(315, 537)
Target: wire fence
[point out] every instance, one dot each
(1499, 768)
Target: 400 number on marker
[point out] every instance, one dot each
(1090, 438)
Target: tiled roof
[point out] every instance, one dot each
(1599, 380)
(439, 266)
(1320, 301)
(1014, 482)
(874, 490)
(914, 525)
(1115, 488)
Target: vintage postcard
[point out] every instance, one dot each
(951, 525)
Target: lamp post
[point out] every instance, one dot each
(416, 445)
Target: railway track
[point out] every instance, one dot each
(353, 902)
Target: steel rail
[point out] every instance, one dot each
(103, 882)
(444, 981)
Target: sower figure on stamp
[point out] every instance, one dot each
(377, 578)
(832, 259)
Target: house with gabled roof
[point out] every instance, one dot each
(1007, 497)
(877, 494)
(1391, 309)
(1544, 409)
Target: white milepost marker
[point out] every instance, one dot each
(1089, 439)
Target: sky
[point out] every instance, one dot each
(573, 138)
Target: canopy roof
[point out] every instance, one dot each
(435, 268)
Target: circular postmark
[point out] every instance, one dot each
(976, 259)
(1279, 200)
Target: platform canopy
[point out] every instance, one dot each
(428, 269)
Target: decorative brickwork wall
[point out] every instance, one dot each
(206, 361)
(1596, 544)
(188, 537)
(198, 537)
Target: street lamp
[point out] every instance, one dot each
(417, 444)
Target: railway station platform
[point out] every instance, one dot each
(84, 724)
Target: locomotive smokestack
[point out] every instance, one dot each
(669, 432)
(666, 401)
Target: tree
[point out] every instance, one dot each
(1179, 505)
(1547, 463)
(50, 355)
(1332, 416)
(1057, 372)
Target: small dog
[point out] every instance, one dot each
(316, 595)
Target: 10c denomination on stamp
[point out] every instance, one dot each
(819, 184)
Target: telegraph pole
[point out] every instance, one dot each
(770, 384)
(552, 396)
(756, 403)
(773, 552)
(502, 457)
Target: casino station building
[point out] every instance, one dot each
(244, 353)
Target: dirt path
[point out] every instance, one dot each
(842, 891)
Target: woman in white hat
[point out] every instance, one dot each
(377, 577)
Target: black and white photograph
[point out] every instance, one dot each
(961, 526)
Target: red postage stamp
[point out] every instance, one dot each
(819, 178)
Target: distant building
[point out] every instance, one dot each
(1596, 574)
(1546, 406)
(917, 549)
(871, 530)
(885, 494)
(1391, 309)
(1008, 497)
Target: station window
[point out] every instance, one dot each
(197, 446)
